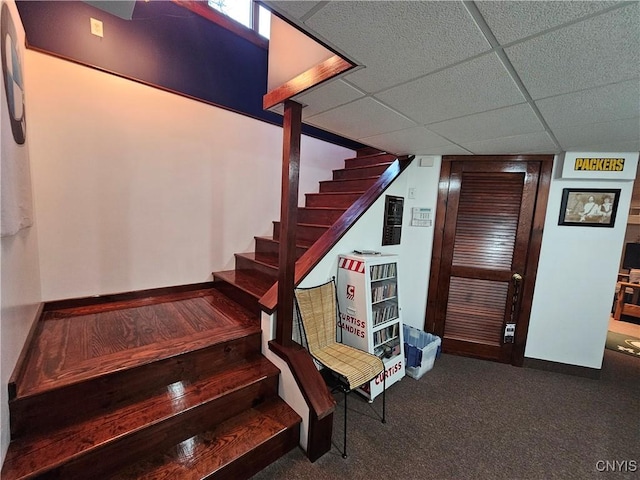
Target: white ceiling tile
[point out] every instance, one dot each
(445, 150)
(630, 146)
(504, 122)
(327, 96)
(600, 50)
(407, 141)
(538, 142)
(293, 9)
(398, 41)
(606, 134)
(471, 87)
(510, 21)
(354, 120)
(600, 104)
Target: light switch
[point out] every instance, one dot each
(96, 27)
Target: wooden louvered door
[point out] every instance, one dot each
(481, 255)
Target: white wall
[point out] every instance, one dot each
(576, 280)
(20, 277)
(138, 188)
(415, 247)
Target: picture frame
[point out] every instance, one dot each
(589, 207)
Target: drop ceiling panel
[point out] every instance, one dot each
(354, 120)
(428, 62)
(600, 104)
(605, 134)
(411, 140)
(538, 142)
(294, 9)
(327, 96)
(504, 122)
(398, 41)
(510, 21)
(597, 51)
(631, 146)
(471, 87)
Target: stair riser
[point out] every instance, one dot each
(319, 217)
(355, 173)
(331, 200)
(304, 233)
(273, 247)
(106, 459)
(347, 185)
(243, 263)
(238, 295)
(368, 160)
(244, 467)
(55, 408)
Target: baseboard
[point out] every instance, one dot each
(564, 368)
(18, 370)
(119, 297)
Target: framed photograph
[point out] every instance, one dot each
(589, 207)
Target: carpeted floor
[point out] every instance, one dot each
(473, 419)
(619, 342)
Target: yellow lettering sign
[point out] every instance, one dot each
(599, 164)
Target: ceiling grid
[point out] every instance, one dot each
(454, 77)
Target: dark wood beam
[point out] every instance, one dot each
(317, 74)
(292, 131)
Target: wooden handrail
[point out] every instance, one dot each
(319, 249)
(317, 74)
(316, 395)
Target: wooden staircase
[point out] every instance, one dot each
(257, 271)
(168, 383)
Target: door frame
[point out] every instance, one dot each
(533, 253)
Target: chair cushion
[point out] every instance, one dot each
(357, 366)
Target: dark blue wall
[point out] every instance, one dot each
(163, 45)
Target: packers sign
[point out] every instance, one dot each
(599, 164)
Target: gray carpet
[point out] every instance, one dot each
(474, 419)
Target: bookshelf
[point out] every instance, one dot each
(370, 314)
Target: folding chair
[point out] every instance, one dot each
(318, 311)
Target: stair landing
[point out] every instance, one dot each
(122, 387)
(75, 344)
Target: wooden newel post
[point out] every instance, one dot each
(292, 126)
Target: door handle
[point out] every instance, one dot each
(510, 327)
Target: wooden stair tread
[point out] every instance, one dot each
(42, 452)
(271, 239)
(344, 180)
(307, 225)
(322, 209)
(355, 192)
(268, 259)
(108, 340)
(249, 281)
(202, 455)
(364, 167)
(107, 306)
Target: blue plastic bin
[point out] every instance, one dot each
(420, 351)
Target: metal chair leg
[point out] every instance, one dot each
(344, 449)
(384, 395)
